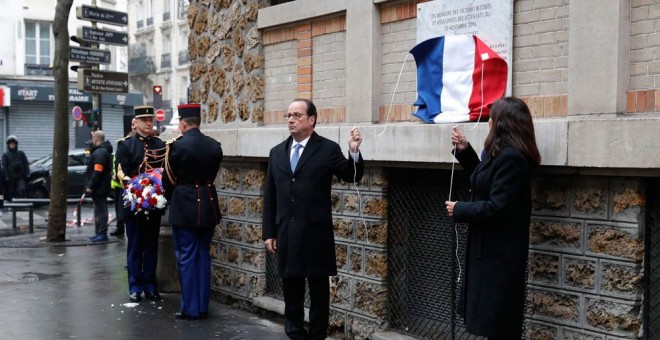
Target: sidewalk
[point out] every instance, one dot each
(78, 289)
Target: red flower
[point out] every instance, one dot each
(132, 190)
(138, 193)
(153, 201)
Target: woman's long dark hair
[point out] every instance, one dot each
(512, 126)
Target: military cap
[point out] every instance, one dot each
(143, 111)
(190, 110)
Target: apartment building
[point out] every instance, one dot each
(158, 50)
(26, 30)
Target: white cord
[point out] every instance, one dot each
(453, 163)
(389, 110)
(360, 214)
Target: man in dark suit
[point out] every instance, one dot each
(136, 154)
(193, 162)
(297, 215)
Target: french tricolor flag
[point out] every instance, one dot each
(458, 77)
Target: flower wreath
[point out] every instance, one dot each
(144, 192)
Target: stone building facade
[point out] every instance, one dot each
(588, 257)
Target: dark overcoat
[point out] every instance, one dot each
(493, 291)
(194, 161)
(297, 208)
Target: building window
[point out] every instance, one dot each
(183, 88)
(166, 10)
(139, 9)
(37, 43)
(182, 8)
(150, 12)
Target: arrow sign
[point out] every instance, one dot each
(107, 16)
(102, 36)
(102, 81)
(89, 55)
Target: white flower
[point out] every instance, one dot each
(161, 201)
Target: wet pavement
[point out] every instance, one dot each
(77, 289)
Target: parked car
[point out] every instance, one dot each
(38, 185)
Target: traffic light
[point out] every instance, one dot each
(158, 96)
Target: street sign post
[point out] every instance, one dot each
(89, 55)
(102, 81)
(160, 115)
(102, 36)
(107, 16)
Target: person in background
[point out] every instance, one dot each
(194, 161)
(16, 170)
(97, 182)
(493, 292)
(297, 215)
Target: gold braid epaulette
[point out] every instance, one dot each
(166, 164)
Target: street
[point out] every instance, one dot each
(79, 290)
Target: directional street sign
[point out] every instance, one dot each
(107, 16)
(102, 81)
(89, 55)
(102, 36)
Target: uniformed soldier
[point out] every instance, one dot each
(192, 163)
(137, 154)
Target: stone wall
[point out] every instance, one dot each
(226, 62)
(586, 253)
(358, 294)
(238, 255)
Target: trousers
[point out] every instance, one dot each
(142, 252)
(192, 250)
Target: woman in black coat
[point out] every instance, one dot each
(493, 291)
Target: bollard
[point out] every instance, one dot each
(79, 213)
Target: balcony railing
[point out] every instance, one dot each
(38, 70)
(165, 60)
(166, 16)
(183, 57)
(141, 65)
(140, 24)
(150, 21)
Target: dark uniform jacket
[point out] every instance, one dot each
(194, 161)
(493, 293)
(130, 156)
(100, 159)
(297, 208)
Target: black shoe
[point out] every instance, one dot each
(181, 316)
(203, 315)
(153, 296)
(117, 233)
(134, 297)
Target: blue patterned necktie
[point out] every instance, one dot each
(295, 157)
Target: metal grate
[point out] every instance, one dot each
(652, 262)
(422, 263)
